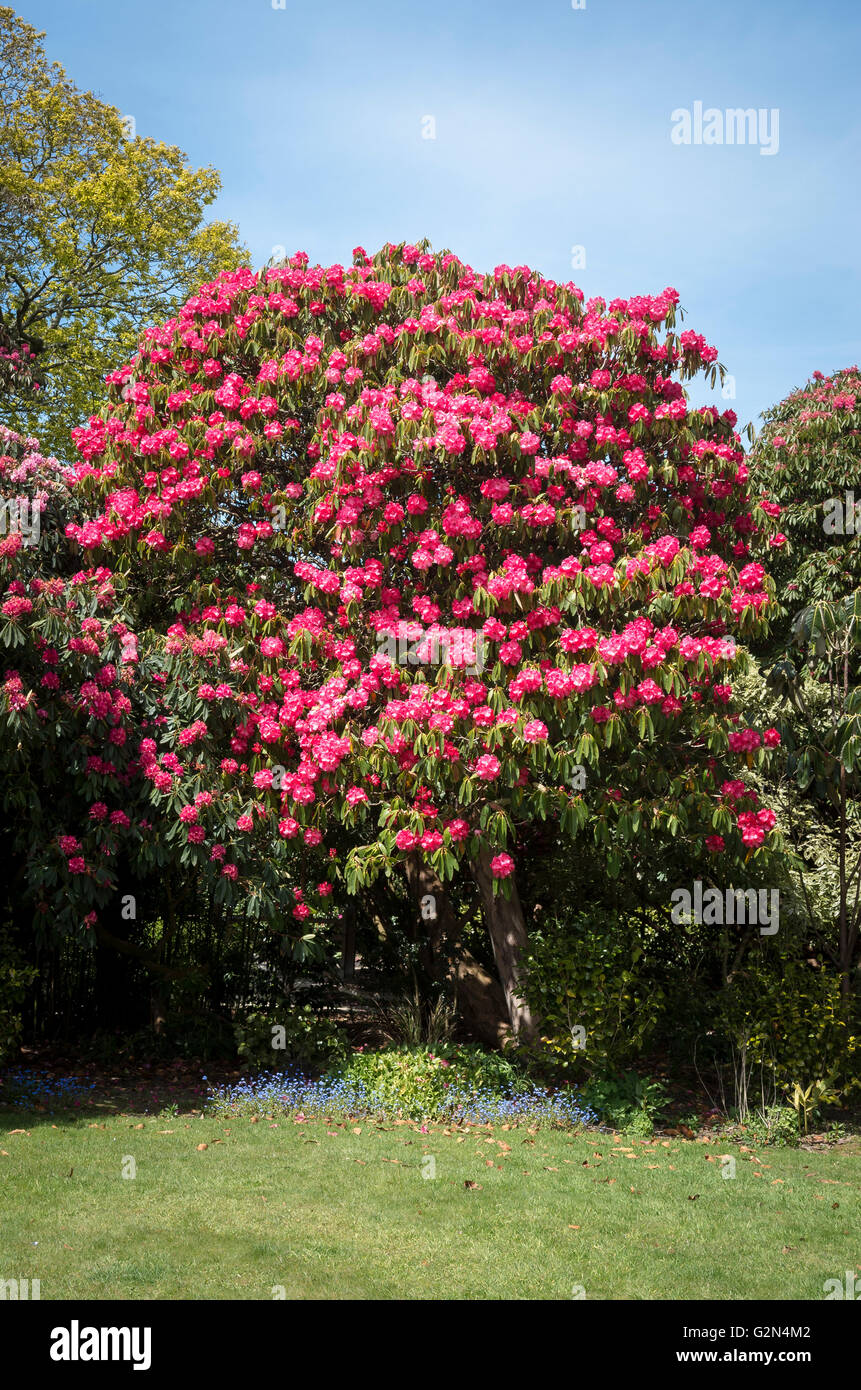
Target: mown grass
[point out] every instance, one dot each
(344, 1211)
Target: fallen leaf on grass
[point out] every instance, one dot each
(20, 1131)
(472, 1186)
(356, 1129)
(694, 1198)
(202, 1146)
(573, 1228)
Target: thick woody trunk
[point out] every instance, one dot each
(507, 931)
(480, 1000)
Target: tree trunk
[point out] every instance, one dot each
(480, 1000)
(507, 931)
(348, 944)
(159, 1003)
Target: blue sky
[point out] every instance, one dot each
(552, 131)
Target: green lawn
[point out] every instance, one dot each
(327, 1212)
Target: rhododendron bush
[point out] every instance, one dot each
(453, 555)
(84, 815)
(66, 712)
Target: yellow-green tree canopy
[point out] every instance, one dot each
(101, 233)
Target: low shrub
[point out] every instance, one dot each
(625, 1101)
(776, 1124)
(588, 982)
(298, 1035)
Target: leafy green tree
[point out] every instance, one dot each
(808, 457)
(102, 232)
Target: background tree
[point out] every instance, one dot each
(809, 458)
(101, 232)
